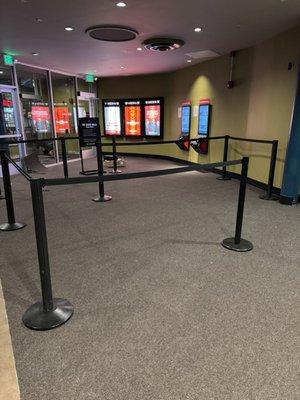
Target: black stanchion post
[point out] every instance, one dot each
(102, 196)
(48, 313)
(269, 195)
(11, 225)
(224, 176)
(64, 157)
(237, 243)
(115, 157)
(81, 158)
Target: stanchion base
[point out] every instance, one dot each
(223, 178)
(36, 318)
(116, 172)
(244, 245)
(12, 227)
(267, 197)
(102, 199)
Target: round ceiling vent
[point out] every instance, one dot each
(163, 44)
(112, 33)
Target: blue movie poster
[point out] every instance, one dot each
(185, 119)
(203, 119)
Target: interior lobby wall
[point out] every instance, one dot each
(259, 106)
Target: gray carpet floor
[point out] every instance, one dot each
(162, 311)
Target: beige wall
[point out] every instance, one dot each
(259, 106)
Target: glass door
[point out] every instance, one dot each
(36, 112)
(87, 107)
(8, 98)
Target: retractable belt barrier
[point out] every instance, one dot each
(224, 176)
(52, 312)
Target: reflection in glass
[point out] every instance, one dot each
(6, 75)
(33, 87)
(63, 88)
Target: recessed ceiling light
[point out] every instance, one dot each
(38, 20)
(189, 61)
(122, 67)
(139, 49)
(1, 72)
(121, 4)
(35, 54)
(69, 28)
(198, 29)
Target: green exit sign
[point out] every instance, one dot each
(89, 78)
(8, 59)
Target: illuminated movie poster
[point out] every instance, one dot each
(185, 118)
(40, 118)
(133, 126)
(152, 118)
(203, 123)
(112, 118)
(62, 124)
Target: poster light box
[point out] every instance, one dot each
(133, 118)
(204, 119)
(201, 146)
(186, 118)
(112, 118)
(186, 110)
(153, 111)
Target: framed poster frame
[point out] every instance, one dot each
(162, 116)
(120, 105)
(201, 134)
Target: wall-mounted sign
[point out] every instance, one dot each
(204, 117)
(186, 118)
(183, 144)
(61, 115)
(153, 117)
(112, 118)
(89, 78)
(203, 127)
(8, 59)
(40, 118)
(133, 118)
(89, 131)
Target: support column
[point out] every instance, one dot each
(291, 177)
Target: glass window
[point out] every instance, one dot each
(34, 92)
(83, 86)
(64, 95)
(6, 75)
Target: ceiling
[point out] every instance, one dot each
(227, 25)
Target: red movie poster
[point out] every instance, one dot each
(133, 121)
(61, 120)
(41, 118)
(152, 120)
